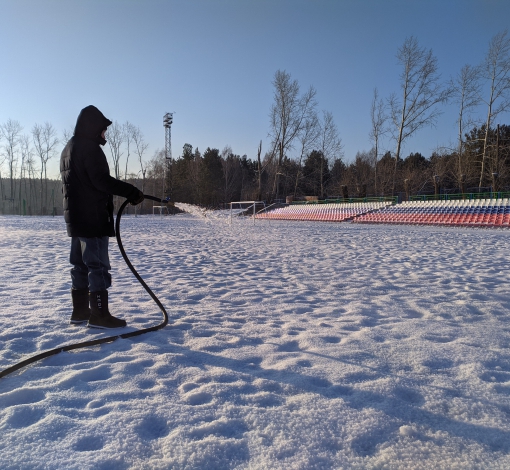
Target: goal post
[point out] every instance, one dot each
(246, 208)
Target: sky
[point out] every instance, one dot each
(212, 63)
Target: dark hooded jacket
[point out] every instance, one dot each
(88, 188)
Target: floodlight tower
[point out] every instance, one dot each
(168, 119)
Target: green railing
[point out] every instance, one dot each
(459, 196)
(390, 199)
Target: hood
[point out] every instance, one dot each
(91, 123)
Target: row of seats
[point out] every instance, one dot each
(482, 212)
(457, 202)
(337, 212)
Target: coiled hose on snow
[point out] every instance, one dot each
(109, 339)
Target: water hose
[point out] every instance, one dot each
(109, 339)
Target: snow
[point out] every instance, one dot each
(291, 345)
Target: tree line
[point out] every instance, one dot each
(215, 177)
(305, 155)
(25, 188)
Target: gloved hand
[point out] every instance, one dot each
(135, 197)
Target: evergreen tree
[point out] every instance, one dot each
(211, 178)
(182, 190)
(315, 173)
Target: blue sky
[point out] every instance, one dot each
(211, 62)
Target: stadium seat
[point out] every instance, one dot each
(334, 212)
(482, 213)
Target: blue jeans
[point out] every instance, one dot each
(89, 257)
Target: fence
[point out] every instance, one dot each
(463, 196)
(391, 199)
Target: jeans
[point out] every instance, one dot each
(89, 257)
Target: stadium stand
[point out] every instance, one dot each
(337, 212)
(481, 212)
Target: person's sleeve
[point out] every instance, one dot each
(99, 174)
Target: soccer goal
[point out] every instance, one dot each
(246, 208)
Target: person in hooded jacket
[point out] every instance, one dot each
(88, 191)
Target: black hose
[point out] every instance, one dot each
(109, 339)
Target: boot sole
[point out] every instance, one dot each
(98, 327)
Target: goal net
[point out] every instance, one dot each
(246, 208)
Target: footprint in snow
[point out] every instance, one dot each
(91, 375)
(331, 339)
(290, 346)
(498, 364)
(439, 338)
(199, 398)
(88, 443)
(25, 416)
(152, 427)
(495, 376)
(187, 387)
(304, 363)
(21, 397)
(233, 429)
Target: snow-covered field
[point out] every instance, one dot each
(290, 346)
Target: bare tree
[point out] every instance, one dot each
(128, 134)
(329, 144)
(140, 148)
(67, 134)
(231, 172)
(26, 153)
(116, 136)
(466, 94)
(421, 93)
(45, 141)
(378, 129)
(288, 116)
(260, 168)
(156, 171)
(308, 138)
(496, 70)
(50, 144)
(37, 137)
(10, 131)
(2, 159)
(32, 178)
